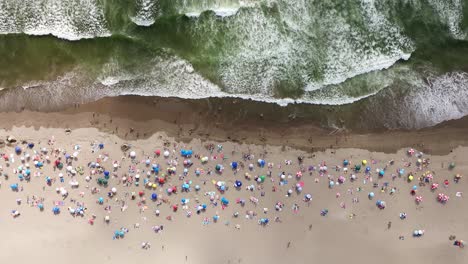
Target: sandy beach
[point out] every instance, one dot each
(338, 224)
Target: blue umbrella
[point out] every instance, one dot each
(40, 206)
(234, 165)
(185, 186)
(381, 173)
(156, 169)
(154, 196)
(186, 153)
(261, 163)
(101, 200)
(31, 145)
(18, 149)
(345, 162)
(368, 169)
(56, 210)
(204, 206)
(106, 173)
(14, 186)
(101, 145)
(238, 184)
(224, 201)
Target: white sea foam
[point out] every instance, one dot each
(146, 12)
(71, 20)
(222, 8)
(451, 12)
(174, 77)
(436, 99)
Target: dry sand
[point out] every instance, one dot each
(335, 238)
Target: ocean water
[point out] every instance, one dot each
(404, 60)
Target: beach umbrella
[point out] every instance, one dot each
(331, 184)
(234, 165)
(341, 179)
(132, 154)
(381, 173)
(218, 167)
(451, 165)
(410, 178)
(18, 149)
(166, 153)
(101, 200)
(114, 190)
(238, 184)
(40, 206)
(364, 162)
(261, 163)
(204, 159)
(371, 195)
(197, 187)
(401, 172)
(185, 186)
(262, 178)
(14, 186)
(357, 167)
(156, 169)
(345, 162)
(56, 210)
(154, 196)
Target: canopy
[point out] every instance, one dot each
(186, 153)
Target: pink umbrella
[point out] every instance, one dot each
(341, 179)
(299, 174)
(434, 186)
(418, 199)
(411, 152)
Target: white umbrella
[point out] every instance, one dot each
(166, 153)
(114, 190)
(132, 154)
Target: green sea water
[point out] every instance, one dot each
(327, 52)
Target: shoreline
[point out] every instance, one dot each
(240, 121)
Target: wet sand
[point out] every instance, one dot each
(135, 117)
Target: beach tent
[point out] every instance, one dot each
(186, 153)
(238, 184)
